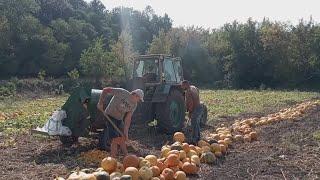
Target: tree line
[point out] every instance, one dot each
(247, 55)
(67, 37)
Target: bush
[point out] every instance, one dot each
(42, 74)
(74, 74)
(8, 89)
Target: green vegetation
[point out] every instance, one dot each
(316, 135)
(222, 103)
(47, 38)
(19, 114)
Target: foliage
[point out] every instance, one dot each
(51, 35)
(42, 74)
(74, 74)
(230, 103)
(97, 63)
(7, 89)
(124, 52)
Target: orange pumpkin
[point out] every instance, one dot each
(223, 148)
(109, 164)
(182, 154)
(161, 165)
(215, 147)
(155, 170)
(131, 161)
(180, 175)
(161, 177)
(193, 147)
(133, 172)
(172, 160)
(185, 147)
(179, 136)
(190, 168)
(119, 168)
(186, 160)
(202, 143)
(168, 174)
(152, 159)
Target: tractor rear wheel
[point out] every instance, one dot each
(171, 114)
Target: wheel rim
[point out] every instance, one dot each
(175, 114)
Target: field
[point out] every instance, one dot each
(285, 150)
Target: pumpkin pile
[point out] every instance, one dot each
(175, 162)
(180, 158)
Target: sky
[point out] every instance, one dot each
(215, 13)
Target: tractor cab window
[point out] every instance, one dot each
(169, 74)
(147, 69)
(178, 70)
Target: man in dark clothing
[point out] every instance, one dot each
(197, 110)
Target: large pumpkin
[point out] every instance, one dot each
(195, 159)
(191, 153)
(215, 147)
(152, 159)
(168, 174)
(155, 171)
(182, 154)
(176, 152)
(161, 165)
(119, 168)
(109, 164)
(76, 175)
(176, 146)
(131, 161)
(179, 136)
(205, 149)
(165, 151)
(115, 175)
(190, 168)
(180, 175)
(145, 173)
(172, 160)
(125, 177)
(202, 143)
(101, 175)
(207, 157)
(223, 148)
(185, 147)
(143, 163)
(133, 172)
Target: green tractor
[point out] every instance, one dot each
(158, 75)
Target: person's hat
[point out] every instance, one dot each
(138, 92)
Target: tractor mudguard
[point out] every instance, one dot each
(77, 116)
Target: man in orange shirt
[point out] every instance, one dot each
(197, 110)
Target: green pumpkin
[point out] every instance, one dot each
(208, 157)
(102, 175)
(126, 177)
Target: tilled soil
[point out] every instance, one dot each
(286, 150)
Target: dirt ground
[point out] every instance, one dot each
(286, 150)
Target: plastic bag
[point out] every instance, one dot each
(54, 125)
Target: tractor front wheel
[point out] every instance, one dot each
(171, 114)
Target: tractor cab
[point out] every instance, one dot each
(160, 77)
